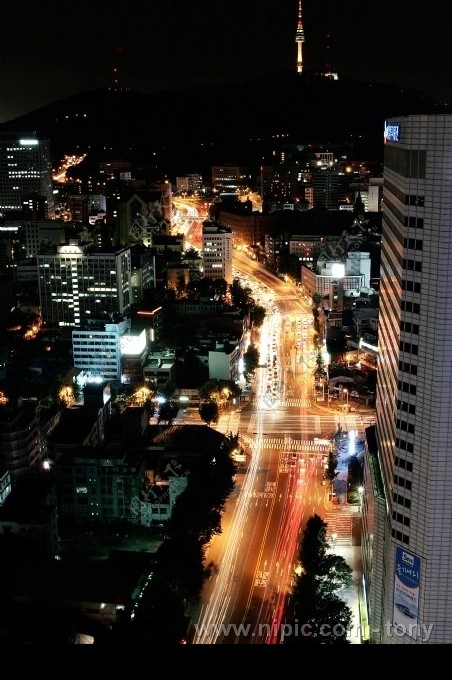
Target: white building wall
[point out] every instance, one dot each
(219, 366)
(373, 198)
(323, 286)
(217, 254)
(359, 264)
(97, 351)
(414, 391)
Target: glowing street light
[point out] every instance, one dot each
(142, 395)
(66, 395)
(360, 490)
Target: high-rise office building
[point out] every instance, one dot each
(79, 283)
(407, 508)
(228, 178)
(25, 174)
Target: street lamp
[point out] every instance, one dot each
(66, 395)
(142, 394)
(346, 395)
(361, 494)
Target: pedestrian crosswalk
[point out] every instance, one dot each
(339, 523)
(303, 402)
(286, 443)
(297, 403)
(285, 298)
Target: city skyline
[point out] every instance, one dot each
(403, 526)
(174, 46)
(404, 505)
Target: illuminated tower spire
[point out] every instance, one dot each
(115, 73)
(299, 40)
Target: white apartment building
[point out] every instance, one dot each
(96, 349)
(407, 508)
(337, 278)
(79, 283)
(224, 362)
(217, 252)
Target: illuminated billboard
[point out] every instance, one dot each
(133, 345)
(391, 133)
(407, 573)
(337, 270)
(28, 142)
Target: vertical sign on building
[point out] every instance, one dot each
(406, 591)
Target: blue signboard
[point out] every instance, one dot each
(407, 574)
(391, 133)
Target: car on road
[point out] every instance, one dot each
(405, 610)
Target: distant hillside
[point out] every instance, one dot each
(191, 130)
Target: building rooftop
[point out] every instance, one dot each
(184, 436)
(114, 455)
(366, 313)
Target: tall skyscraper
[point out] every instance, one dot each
(25, 173)
(299, 39)
(407, 509)
(79, 283)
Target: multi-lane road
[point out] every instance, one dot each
(253, 560)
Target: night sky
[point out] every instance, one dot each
(53, 50)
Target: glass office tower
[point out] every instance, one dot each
(407, 513)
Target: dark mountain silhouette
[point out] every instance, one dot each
(187, 131)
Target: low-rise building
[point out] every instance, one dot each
(99, 486)
(20, 443)
(224, 361)
(84, 424)
(159, 368)
(29, 518)
(99, 591)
